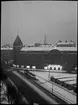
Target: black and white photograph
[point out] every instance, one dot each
(38, 52)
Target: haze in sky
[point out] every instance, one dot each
(34, 19)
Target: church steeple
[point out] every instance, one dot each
(17, 45)
(17, 41)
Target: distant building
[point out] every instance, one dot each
(65, 44)
(45, 40)
(37, 44)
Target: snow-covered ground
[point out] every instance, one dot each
(44, 78)
(46, 75)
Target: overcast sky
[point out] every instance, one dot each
(58, 19)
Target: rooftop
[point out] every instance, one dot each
(66, 48)
(6, 48)
(48, 48)
(40, 48)
(17, 41)
(65, 44)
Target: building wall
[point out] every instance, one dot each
(68, 60)
(30, 59)
(6, 55)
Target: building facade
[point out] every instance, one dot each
(64, 54)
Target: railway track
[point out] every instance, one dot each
(51, 95)
(58, 100)
(33, 95)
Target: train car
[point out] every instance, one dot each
(64, 76)
(61, 79)
(26, 71)
(70, 85)
(29, 74)
(64, 80)
(53, 79)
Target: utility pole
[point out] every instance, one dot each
(52, 83)
(49, 75)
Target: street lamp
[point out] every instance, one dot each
(49, 75)
(52, 83)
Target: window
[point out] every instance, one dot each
(58, 68)
(50, 68)
(54, 68)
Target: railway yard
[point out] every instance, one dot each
(44, 87)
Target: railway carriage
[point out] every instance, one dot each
(28, 73)
(67, 82)
(70, 85)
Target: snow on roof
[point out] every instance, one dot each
(72, 82)
(6, 48)
(65, 43)
(66, 48)
(49, 48)
(37, 48)
(43, 48)
(67, 79)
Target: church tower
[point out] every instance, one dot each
(17, 45)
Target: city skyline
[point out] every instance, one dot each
(58, 19)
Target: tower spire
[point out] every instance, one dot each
(45, 39)
(17, 31)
